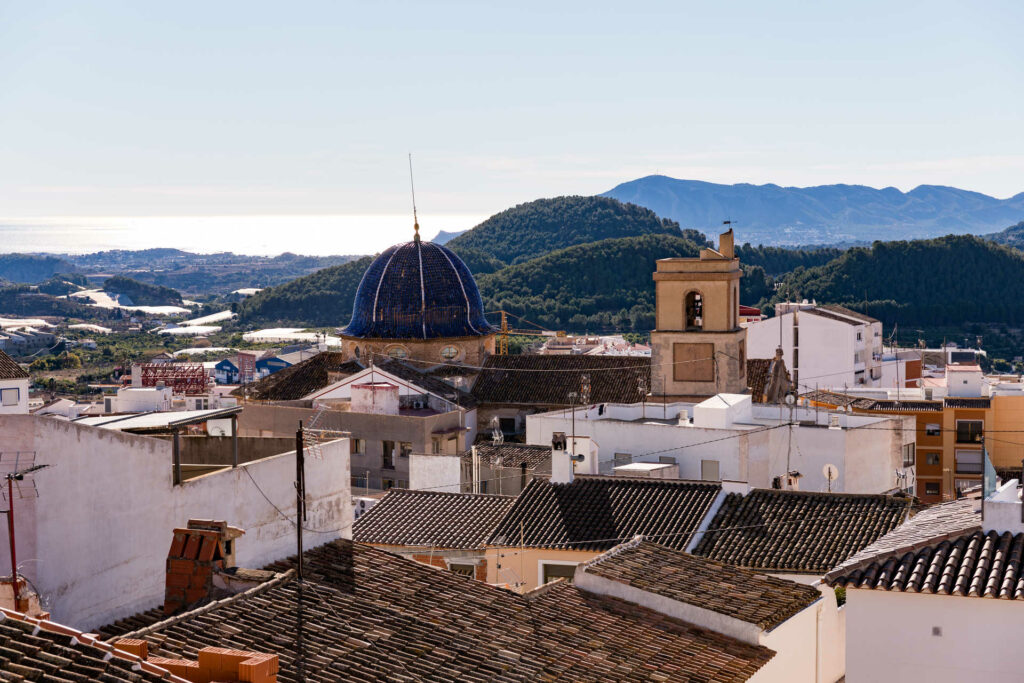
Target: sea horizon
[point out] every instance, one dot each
(266, 235)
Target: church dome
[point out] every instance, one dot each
(417, 290)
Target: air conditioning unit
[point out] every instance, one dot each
(418, 405)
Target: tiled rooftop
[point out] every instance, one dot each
(9, 369)
(511, 454)
(974, 403)
(735, 592)
(597, 513)
(426, 381)
(371, 615)
(535, 380)
(931, 525)
(977, 564)
(301, 379)
(431, 519)
(797, 531)
(55, 653)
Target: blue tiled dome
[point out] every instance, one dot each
(417, 290)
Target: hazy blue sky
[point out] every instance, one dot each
(168, 108)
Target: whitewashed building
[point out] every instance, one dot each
(13, 386)
(827, 346)
(727, 437)
(940, 598)
(92, 527)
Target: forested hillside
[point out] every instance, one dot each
(538, 227)
(1013, 236)
(141, 293)
(31, 268)
(944, 281)
(322, 298)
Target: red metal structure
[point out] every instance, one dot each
(182, 378)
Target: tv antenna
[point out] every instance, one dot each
(412, 187)
(15, 467)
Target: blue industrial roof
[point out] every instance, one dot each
(417, 290)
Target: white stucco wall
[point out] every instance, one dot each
(889, 637)
(866, 451)
(21, 407)
(95, 540)
(435, 472)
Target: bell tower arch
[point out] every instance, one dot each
(698, 348)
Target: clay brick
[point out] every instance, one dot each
(193, 595)
(208, 550)
(139, 648)
(172, 606)
(178, 581)
(180, 566)
(191, 547)
(177, 545)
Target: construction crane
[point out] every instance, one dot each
(505, 331)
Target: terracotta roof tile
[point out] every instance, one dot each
(797, 531)
(536, 380)
(511, 454)
(740, 593)
(431, 519)
(301, 379)
(9, 369)
(596, 513)
(977, 564)
(371, 615)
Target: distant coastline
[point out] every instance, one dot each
(250, 235)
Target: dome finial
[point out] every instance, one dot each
(415, 220)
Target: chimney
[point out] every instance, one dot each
(27, 601)
(725, 244)
(197, 552)
(561, 460)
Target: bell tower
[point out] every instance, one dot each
(698, 348)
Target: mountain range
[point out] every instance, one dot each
(825, 214)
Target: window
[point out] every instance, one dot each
(507, 425)
(11, 397)
(357, 446)
(932, 429)
(932, 488)
(387, 484)
(398, 352)
(693, 362)
(968, 462)
(694, 311)
(969, 431)
(932, 459)
(551, 571)
(449, 352)
(909, 455)
(404, 449)
(462, 569)
(860, 336)
(388, 455)
(435, 446)
(709, 470)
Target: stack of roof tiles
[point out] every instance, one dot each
(431, 519)
(370, 615)
(534, 380)
(797, 531)
(596, 513)
(9, 369)
(739, 593)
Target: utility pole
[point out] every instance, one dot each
(300, 509)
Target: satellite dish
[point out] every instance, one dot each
(831, 472)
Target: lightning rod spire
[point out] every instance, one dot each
(415, 219)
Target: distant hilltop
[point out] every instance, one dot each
(826, 214)
(444, 236)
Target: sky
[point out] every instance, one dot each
(283, 108)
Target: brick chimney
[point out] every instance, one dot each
(197, 552)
